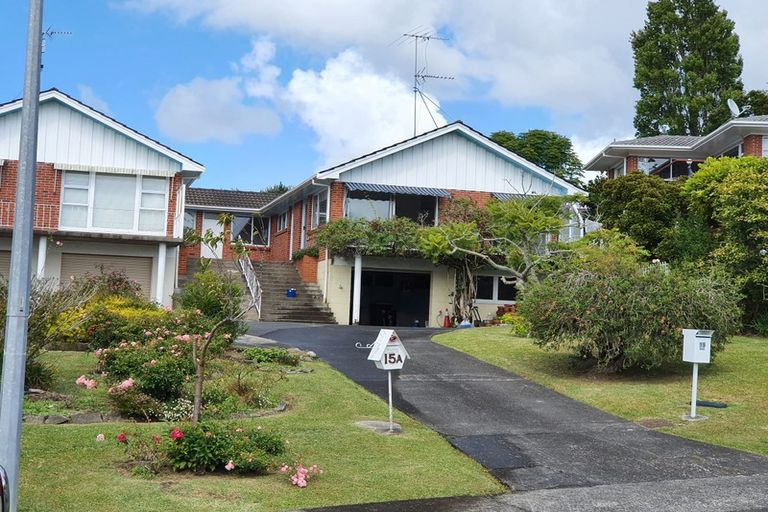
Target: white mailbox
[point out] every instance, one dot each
(697, 345)
(388, 351)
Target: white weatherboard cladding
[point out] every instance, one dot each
(67, 136)
(451, 161)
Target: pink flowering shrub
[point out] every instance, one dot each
(86, 382)
(300, 474)
(215, 447)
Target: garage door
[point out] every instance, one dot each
(5, 263)
(136, 268)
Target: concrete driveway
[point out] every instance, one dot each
(558, 454)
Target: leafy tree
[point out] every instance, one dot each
(644, 207)
(757, 101)
(620, 313)
(730, 193)
(279, 188)
(687, 64)
(549, 150)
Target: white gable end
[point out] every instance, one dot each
(453, 161)
(67, 136)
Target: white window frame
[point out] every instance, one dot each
(138, 191)
(282, 221)
(316, 210)
(495, 296)
(765, 146)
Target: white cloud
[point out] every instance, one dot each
(89, 97)
(354, 110)
(263, 80)
(572, 58)
(204, 110)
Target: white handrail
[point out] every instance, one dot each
(254, 287)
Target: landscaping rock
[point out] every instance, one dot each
(281, 407)
(85, 418)
(37, 395)
(34, 419)
(55, 419)
(111, 416)
(311, 354)
(294, 371)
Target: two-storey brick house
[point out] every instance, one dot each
(414, 178)
(106, 196)
(673, 156)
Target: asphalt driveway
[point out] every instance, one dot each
(557, 453)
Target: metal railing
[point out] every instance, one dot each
(254, 287)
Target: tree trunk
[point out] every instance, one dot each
(199, 377)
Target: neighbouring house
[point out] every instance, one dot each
(202, 212)
(106, 196)
(673, 156)
(414, 178)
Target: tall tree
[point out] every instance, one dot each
(687, 64)
(548, 150)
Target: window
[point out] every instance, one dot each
(735, 151)
(421, 209)
(113, 202)
(319, 209)
(494, 289)
(282, 221)
(368, 205)
(765, 147)
(251, 230)
(190, 221)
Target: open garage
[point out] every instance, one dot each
(394, 298)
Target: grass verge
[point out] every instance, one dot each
(738, 377)
(64, 468)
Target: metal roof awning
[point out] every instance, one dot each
(397, 189)
(504, 196)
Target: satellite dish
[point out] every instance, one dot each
(734, 108)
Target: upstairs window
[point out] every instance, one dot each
(380, 205)
(251, 230)
(113, 202)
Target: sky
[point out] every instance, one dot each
(263, 92)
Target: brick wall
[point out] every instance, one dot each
(307, 267)
(753, 145)
(631, 164)
(479, 198)
(47, 196)
(174, 184)
(191, 251)
(280, 241)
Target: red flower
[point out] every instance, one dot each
(121, 438)
(176, 433)
(156, 439)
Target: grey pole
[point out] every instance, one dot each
(17, 309)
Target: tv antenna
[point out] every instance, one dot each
(735, 110)
(420, 76)
(49, 34)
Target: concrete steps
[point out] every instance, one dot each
(276, 278)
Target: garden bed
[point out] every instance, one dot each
(65, 468)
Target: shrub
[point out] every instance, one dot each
(627, 314)
(519, 325)
(307, 251)
(132, 403)
(272, 355)
(252, 386)
(210, 447)
(214, 297)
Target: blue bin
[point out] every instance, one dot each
(291, 292)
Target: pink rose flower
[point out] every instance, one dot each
(176, 434)
(230, 466)
(122, 438)
(100, 438)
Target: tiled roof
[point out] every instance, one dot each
(661, 140)
(241, 199)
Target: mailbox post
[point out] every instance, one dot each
(389, 354)
(697, 346)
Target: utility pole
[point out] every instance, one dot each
(419, 77)
(17, 308)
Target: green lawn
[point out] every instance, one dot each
(739, 377)
(64, 468)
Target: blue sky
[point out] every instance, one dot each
(262, 92)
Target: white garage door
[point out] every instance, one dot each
(5, 263)
(137, 268)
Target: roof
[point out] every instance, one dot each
(55, 94)
(228, 199)
(660, 140)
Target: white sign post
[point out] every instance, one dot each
(389, 354)
(697, 345)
